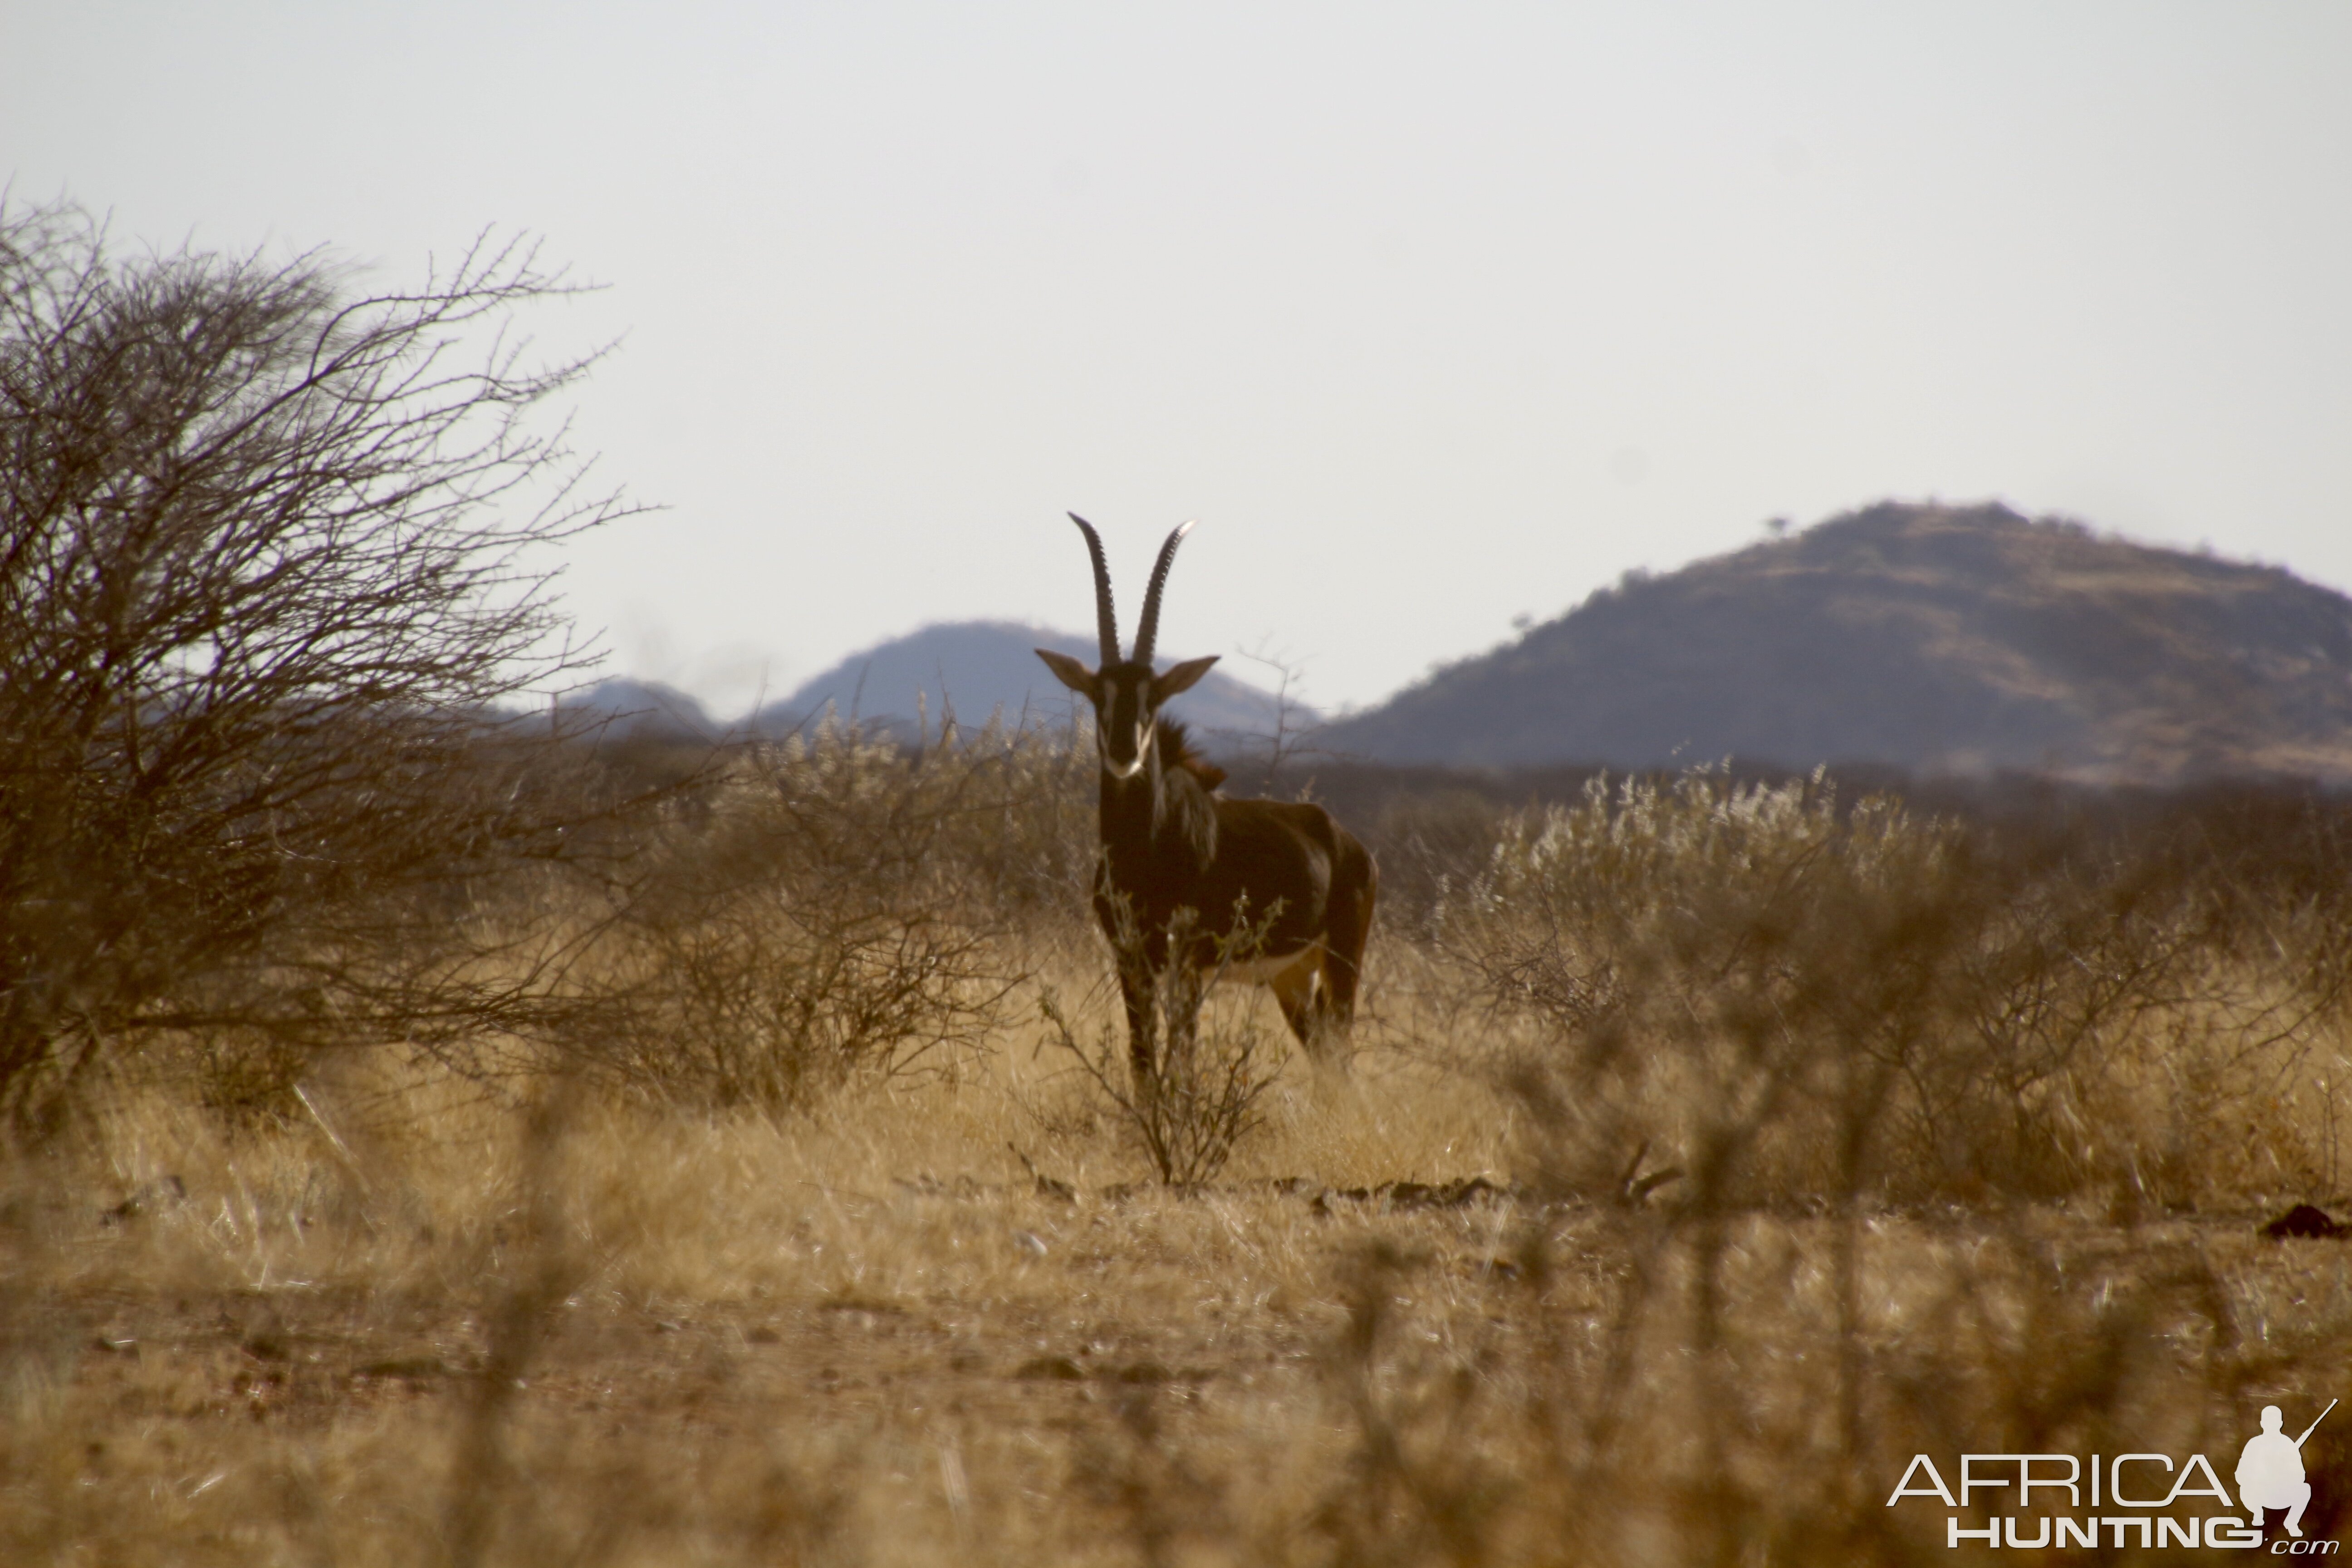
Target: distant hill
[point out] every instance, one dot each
(644, 710)
(986, 666)
(1943, 640)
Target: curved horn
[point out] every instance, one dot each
(1149, 632)
(1105, 618)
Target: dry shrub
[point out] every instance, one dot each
(1429, 844)
(266, 583)
(1796, 1000)
(833, 904)
(1189, 1092)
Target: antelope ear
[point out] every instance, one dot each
(1070, 671)
(1181, 679)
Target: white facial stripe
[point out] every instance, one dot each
(1113, 697)
(1117, 770)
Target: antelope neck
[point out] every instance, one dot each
(1159, 810)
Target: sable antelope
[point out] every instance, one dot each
(1295, 881)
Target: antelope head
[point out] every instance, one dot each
(1126, 694)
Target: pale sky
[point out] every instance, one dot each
(1433, 316)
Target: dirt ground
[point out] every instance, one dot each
(413, 1325)
(1139, 1376)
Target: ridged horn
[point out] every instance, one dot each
(1106, 617)
(1149, 632)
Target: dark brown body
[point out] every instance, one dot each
(1281, 894)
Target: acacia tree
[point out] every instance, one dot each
(267, 572)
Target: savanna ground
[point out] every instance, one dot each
(1808, 1134)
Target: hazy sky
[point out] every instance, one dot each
(1433, 316)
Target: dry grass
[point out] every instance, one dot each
(863, 1332)
(948, 1317)
(866, 1334)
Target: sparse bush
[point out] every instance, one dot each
(1188, 1104)
(261, 583)
(1186, 1087)
(832, 905)
(1018, 824)
(1802, 1000)
(1430, 846)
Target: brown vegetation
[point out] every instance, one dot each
(442, 1143)
(1813, 1135)
(263, 572)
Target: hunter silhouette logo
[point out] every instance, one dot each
(2121, 1500)
(2270, 1472)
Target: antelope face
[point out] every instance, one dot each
(1125, 716)
(1127, 699)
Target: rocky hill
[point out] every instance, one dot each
(1942, 640)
